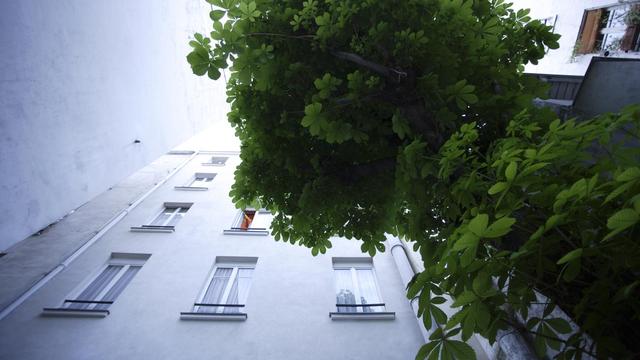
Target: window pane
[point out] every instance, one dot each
(261, 221)
(214, 292)
(117, 288)
(162, 218)
(174, 220)
(368, 290)
(344, 290)
(239, 290)
(96, 287)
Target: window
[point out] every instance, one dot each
(95, 297)
(216, 161)
(610, 28)
(550, 21)
(166, 220)
(251, 221)
(226, 290)
(357, 289)
(200, 181)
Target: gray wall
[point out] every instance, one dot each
(288, 304)
(79, 82)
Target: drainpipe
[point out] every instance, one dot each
(407, 272)
(509, 342)
(22, 298)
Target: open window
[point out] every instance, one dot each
(250, 222)
(610, 28)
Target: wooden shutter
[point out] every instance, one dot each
(630, 34)
(590, 29)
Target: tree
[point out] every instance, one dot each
(413, 118)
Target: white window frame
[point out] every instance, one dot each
(213, 162)
(126, 260)
(148, 227)
(198, 185)
(353, 265)
(235, 263)
(237, 221)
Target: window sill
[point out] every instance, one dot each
(153, 229)
(65, 312)
(362, 316)
(211, 164)
(246, 232)
(191, 188)
(213, 316)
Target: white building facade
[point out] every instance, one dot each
(181, 274)
(90, 92)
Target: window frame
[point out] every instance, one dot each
(212, 161)
(126, 260)
(354, 264)
(164, 228)
(236, 228)
(355, 282)
(193, 184)
(236, 263)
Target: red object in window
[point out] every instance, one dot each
(247, 219)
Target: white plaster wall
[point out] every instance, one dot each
(569, 12)
(288, 304)
(79, 82)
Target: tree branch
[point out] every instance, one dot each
(387, 72)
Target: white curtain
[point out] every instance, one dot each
(368, 290)
(119, 286)
(96, 287)
(239, 290)
(344, 290)
(214, 292)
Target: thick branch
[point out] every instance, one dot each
(387, 72)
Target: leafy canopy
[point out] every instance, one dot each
(413, 118)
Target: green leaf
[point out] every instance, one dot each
(553, 221)
(479, 224)
(561, 326)
(510, 171)
(572, 270)
(570, 256)
(629, 174)
(464, 298)
(468, 240)
(460, 350)
(623, 219)
(426, 349)
(213, 73)
(438, 300)
(618, 191)
(499, 228)
(438, 315)
(216, 15)
(498, 187)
